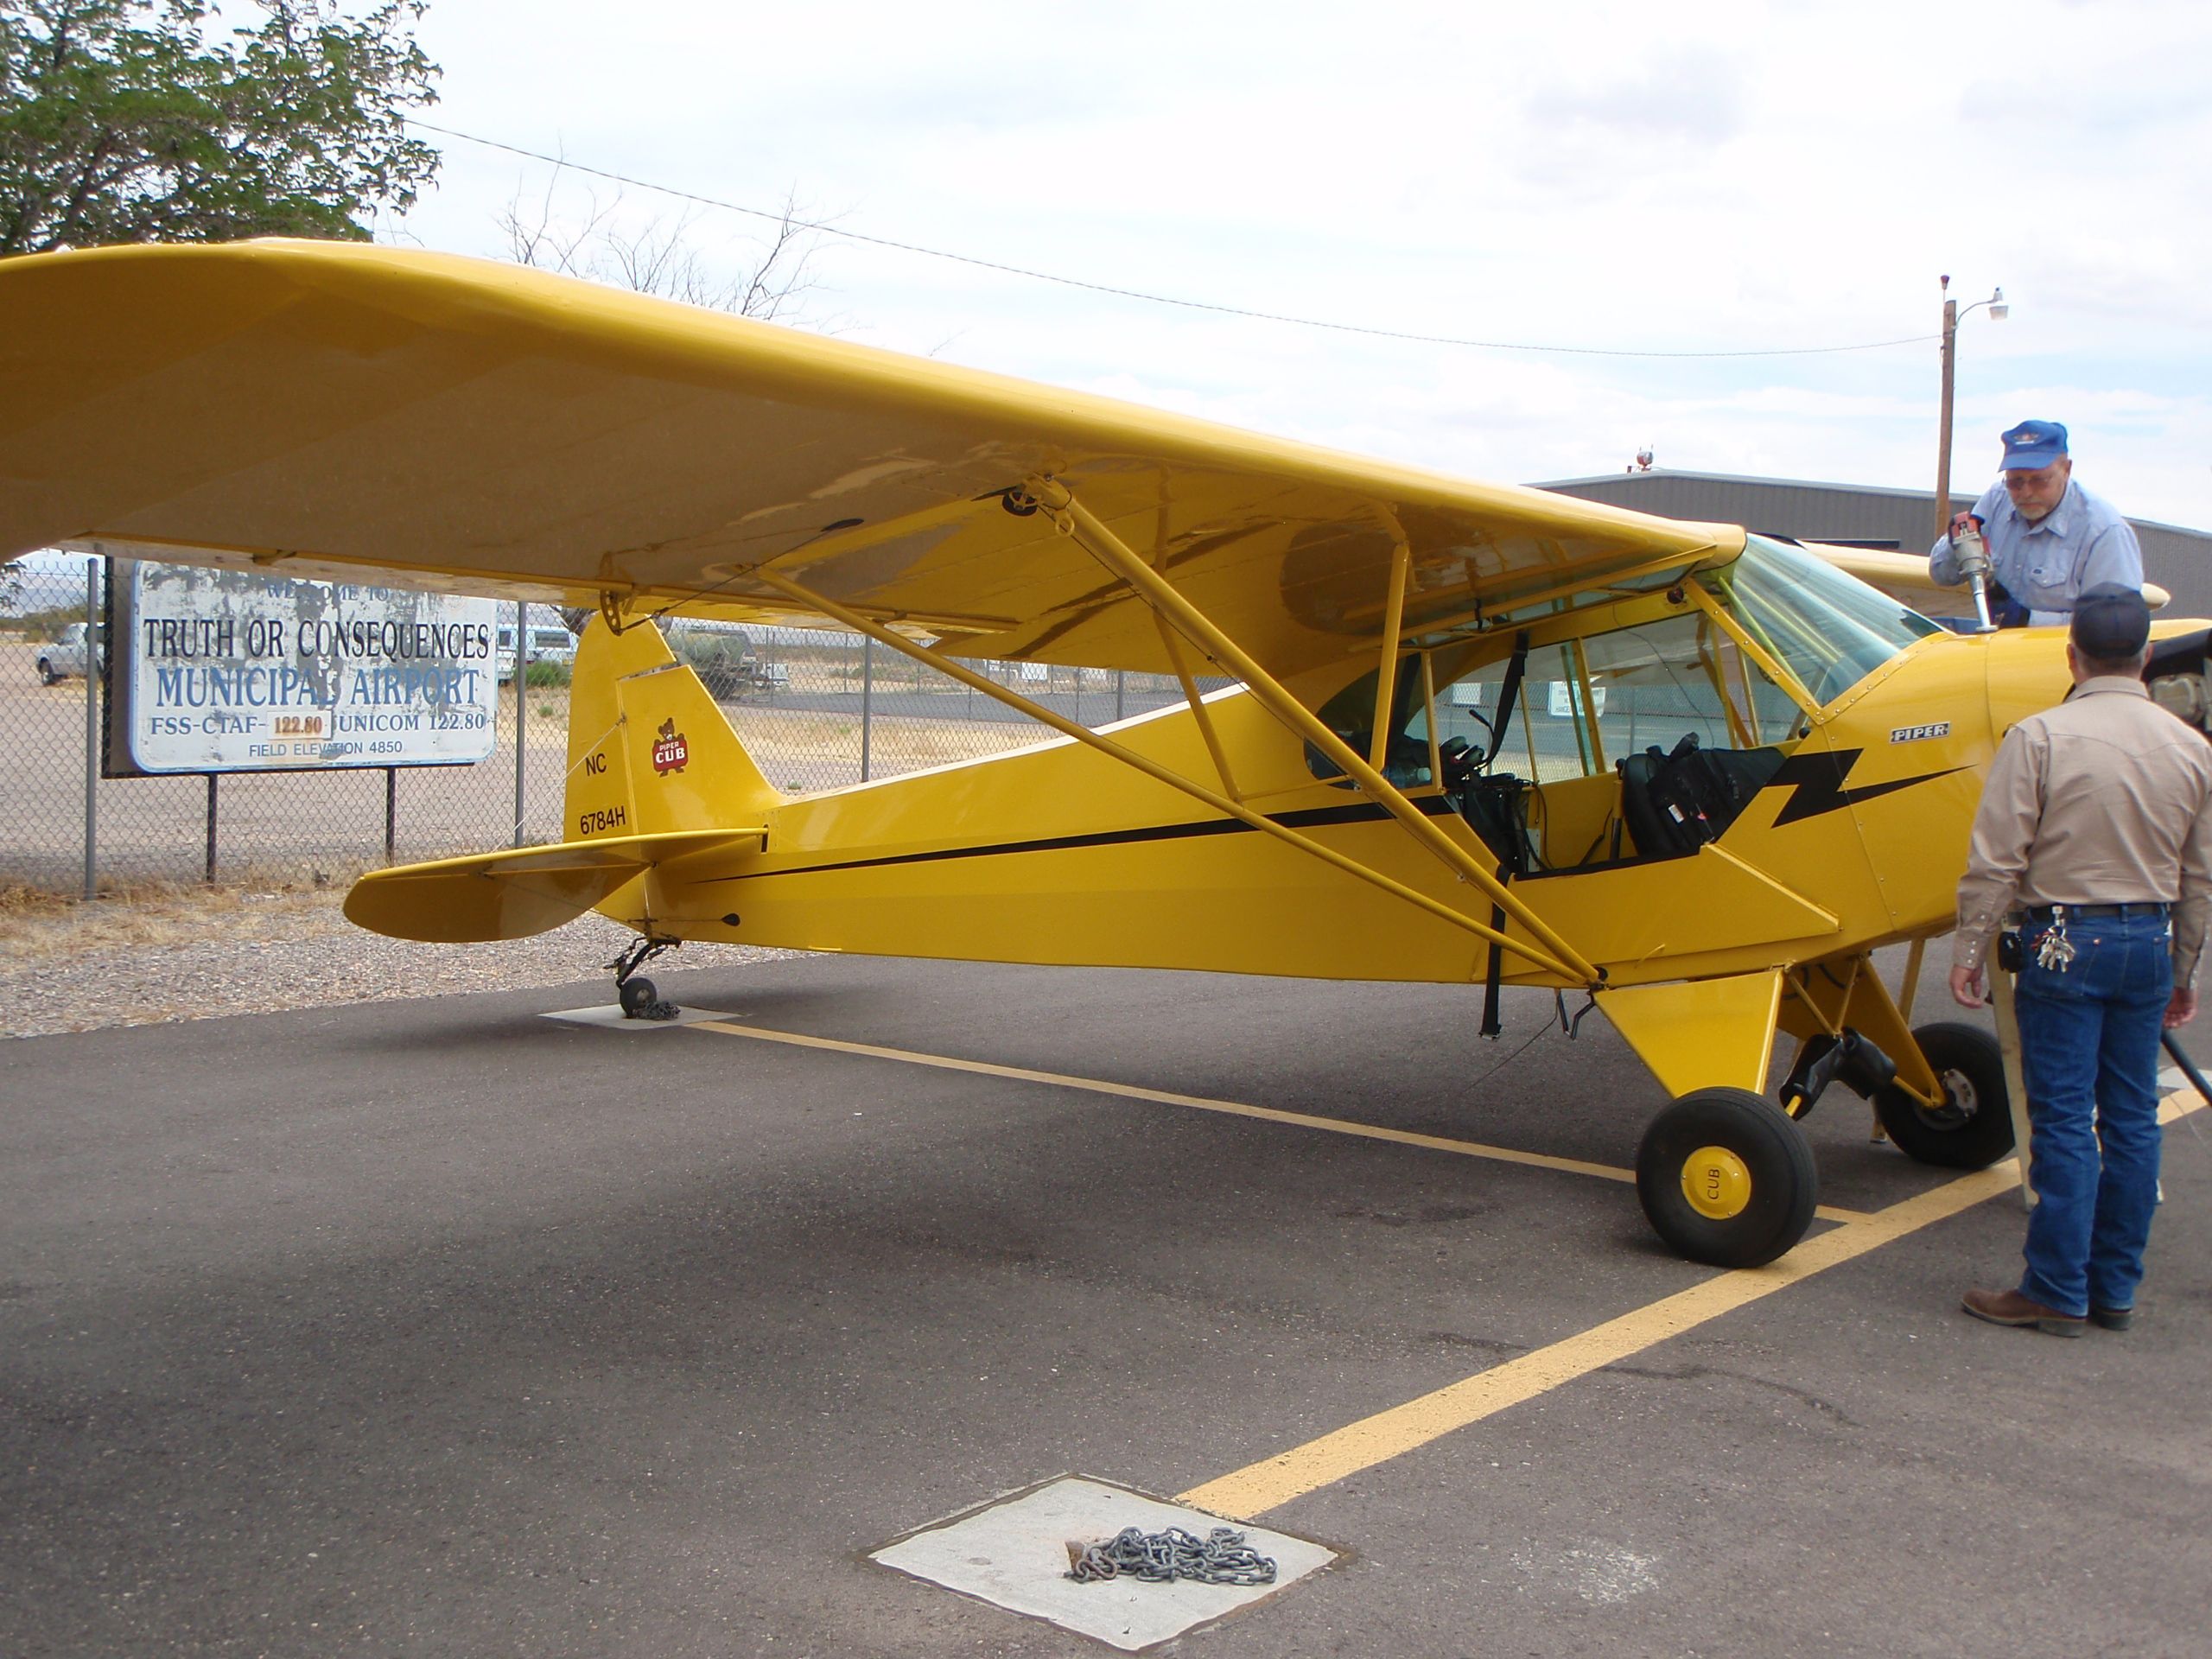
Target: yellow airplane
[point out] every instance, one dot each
(1481, 735)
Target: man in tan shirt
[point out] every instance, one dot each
(2096, 819)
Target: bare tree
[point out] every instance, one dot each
(662, 258)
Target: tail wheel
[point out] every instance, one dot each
(1727, 1178)
(637, 996)
(1972, 1128)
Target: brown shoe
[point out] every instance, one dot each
(2010, 1307)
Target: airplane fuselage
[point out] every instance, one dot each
(1059, 853)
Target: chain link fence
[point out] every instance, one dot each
(816, 710)
(820, 710)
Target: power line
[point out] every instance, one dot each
(827, 229)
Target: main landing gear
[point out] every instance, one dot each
(1726, 1178)
(639, 998)
(1972, 1128)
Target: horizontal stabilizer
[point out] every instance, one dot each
(510, 895)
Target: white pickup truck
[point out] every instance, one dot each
(64, 658)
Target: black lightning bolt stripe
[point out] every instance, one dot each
(1814, 777)
(1434, 806)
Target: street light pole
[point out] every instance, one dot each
(1943, 426)
(1997, 312)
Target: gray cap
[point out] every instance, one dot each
(2110, 622)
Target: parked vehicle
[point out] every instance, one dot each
(727, 681)
(547, 645)
(722, 658)
(64, 658)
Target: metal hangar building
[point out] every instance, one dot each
(1858, 515)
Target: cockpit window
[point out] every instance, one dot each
(1545, 736)
(1683, 675)
(1350, 716)
(1828, 629)
(1583, 704)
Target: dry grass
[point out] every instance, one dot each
(784, 745)
(36, 925)
(156, 954)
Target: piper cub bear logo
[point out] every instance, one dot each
(670, 750)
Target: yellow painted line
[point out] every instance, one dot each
(1231, 1107)
(1272, 1482)
(1251, 1491)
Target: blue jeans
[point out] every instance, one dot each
(2090, 1051)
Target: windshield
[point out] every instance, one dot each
(1828, 629)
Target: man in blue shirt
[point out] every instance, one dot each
(2050, 540)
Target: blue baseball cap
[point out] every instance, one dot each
(2033, 445)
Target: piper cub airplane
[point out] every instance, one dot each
(1480, 735)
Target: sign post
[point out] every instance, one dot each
(522, 702)
(92, 672)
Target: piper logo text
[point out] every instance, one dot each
(1921, 733)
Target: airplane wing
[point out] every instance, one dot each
(1904, 576)
(330, 409)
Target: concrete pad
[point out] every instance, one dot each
(1014, 1554)
(607, 1017)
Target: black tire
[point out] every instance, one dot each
(1974, 1128)
(636, 995)
(46, 674)
(1766, 1184)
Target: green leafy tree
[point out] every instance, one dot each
(126, 121)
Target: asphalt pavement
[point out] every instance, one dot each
(440, 1327)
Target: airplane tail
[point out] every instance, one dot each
(650, 752)
(655, 774)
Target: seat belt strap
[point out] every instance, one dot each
(1495, 971)
(1507, 694)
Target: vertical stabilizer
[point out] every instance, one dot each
(649, 751)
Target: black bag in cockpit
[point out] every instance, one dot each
(1675, 802)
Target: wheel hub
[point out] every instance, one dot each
(1716, 1182)
(1960, 1102)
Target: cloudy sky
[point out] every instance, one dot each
(1709, 176)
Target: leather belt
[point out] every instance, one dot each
(2096, 913)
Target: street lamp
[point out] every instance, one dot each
(1998, 310)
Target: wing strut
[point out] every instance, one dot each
(1197, 704)
(1570, 967)
(1088, 531)
(1394, 624)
